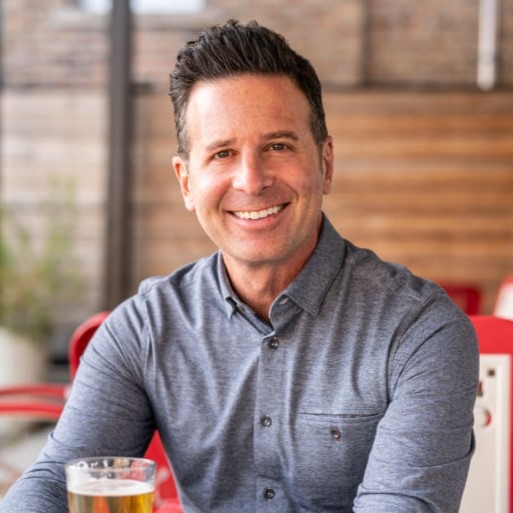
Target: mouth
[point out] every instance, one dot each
(258, 214)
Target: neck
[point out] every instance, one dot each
(258, 286)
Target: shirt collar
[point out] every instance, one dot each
(316, 277)
(231, 301)
(310, 286)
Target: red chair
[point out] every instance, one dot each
(44, 401)
(467, 297)
(80, 338)
(491, 478)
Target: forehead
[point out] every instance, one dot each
(240, 102)
(246, 81)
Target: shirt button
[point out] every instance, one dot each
(335, 433)
(274, 343)
(269, 494)
(266, 421)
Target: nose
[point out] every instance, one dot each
(252, 176)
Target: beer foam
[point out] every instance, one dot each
(111, 488)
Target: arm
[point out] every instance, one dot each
(106, 413)
(420, 457)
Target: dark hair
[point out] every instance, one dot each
(234, 49)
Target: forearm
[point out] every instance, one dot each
(37, 491)
(107, 413)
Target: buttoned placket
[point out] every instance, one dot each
(268, 418)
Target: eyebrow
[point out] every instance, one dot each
(220, 144)
(282, 134)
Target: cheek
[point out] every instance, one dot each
(205, 193)
(313, 185)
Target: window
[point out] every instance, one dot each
(147, 6)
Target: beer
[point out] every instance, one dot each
(111, 496)
(112, 484)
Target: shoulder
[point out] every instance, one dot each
(387, 279)
(202, 272)
(394, 296)
(163, 300)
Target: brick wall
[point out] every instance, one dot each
(351, 42)
(423, 43)
(48, 44)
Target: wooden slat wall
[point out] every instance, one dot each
(424, 179)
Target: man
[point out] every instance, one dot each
(290, 371)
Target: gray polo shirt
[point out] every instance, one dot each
(357, 397)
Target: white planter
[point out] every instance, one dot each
(21, 362)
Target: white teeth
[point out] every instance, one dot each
(260, 214)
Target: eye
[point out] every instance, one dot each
(278, 146)
(223, 154)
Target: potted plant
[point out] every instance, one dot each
(39, 278)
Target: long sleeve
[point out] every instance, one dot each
(106, 413)
(421, 454)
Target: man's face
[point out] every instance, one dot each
(255, 177)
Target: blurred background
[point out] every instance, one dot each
(419, 100)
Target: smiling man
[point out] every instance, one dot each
(290, 371)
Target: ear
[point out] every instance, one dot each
(182, 174)
(327, 163)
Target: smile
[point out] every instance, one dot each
(258, 214)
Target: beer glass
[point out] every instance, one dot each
(110, 485)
